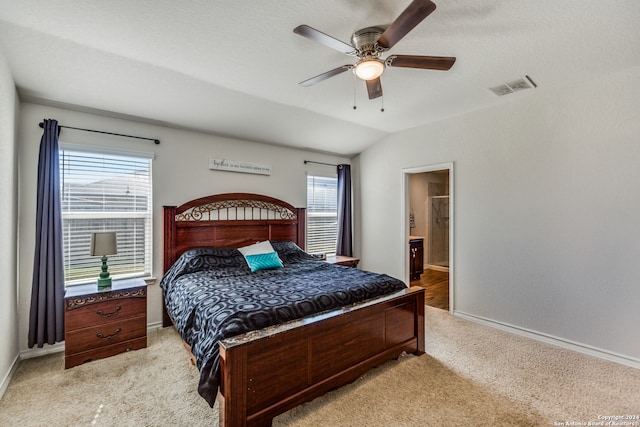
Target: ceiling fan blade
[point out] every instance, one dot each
(325, 39)
(426, 62)
(325, 75)
(408, 19)
(374, 87)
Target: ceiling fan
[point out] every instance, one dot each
(368, 45)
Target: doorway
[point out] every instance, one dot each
(429, 214)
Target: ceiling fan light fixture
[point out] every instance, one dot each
(369, 69)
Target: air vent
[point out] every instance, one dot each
(514, 86)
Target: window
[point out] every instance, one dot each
(108, 191)
(322, 214)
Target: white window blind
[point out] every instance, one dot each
(105, 192)
(322, 214)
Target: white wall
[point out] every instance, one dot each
(180, 173)
(9, 107)
(547, 209)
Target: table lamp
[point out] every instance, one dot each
(103, 244)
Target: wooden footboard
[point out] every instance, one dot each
(268, 372)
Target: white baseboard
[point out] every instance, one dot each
(7, 378)
(154, 325)
(553, 340)
(436, 268)
(37, 352)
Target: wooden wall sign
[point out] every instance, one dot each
(236, 166)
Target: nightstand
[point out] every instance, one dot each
(343, 260)
(99, 323)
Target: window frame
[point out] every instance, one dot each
(318, 174)
(148, 241)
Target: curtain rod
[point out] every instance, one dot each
(318, 163)
(156, 141)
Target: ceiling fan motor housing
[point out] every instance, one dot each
(370, 66)
(365, 41)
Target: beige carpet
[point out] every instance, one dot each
(471, 376)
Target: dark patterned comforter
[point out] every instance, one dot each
(211, 295)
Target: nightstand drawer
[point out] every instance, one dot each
(108, 311)
(71, 360)
(105, 334)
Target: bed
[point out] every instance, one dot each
(262, 361)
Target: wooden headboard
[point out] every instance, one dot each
(229, 220)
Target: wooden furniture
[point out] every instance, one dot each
(265, 373)
(416, 257)
(343, 260)
(103, 323)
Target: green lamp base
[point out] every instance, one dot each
(104, 283)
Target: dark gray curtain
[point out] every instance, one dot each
(344, 244)
(46, 318)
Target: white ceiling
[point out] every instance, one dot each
(232, 67)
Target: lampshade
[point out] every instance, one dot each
(369, 69)
(103, 243)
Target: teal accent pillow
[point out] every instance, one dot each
(264, 261)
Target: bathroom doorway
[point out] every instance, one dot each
(428, 203)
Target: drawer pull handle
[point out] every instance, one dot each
(108, 337)
(103, 314)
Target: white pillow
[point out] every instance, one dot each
(261, 256)
(256, 249)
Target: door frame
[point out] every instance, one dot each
(405, 221)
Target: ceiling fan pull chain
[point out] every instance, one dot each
(354, 92)
(382, 99)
